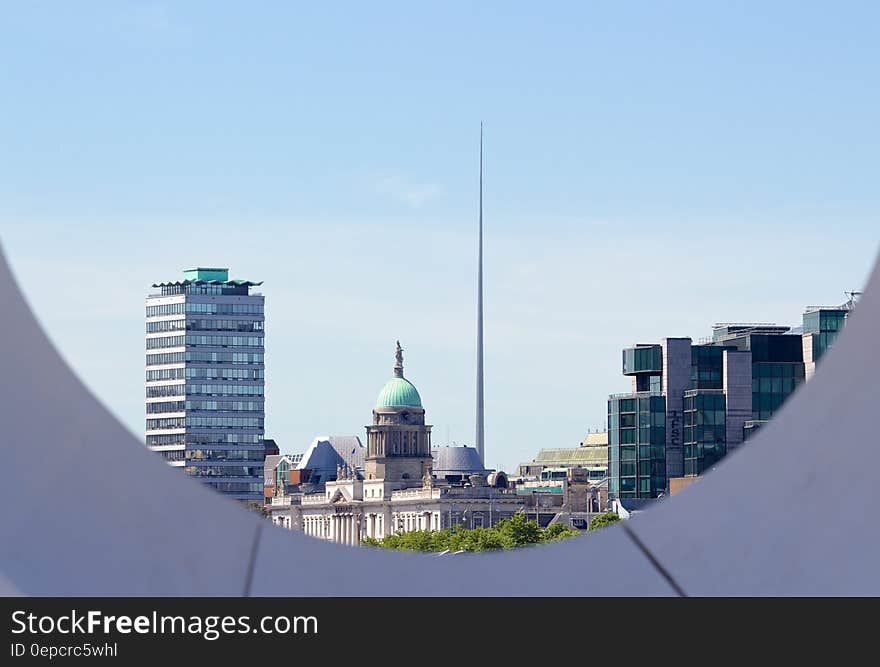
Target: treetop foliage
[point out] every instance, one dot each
(603, 520)
(516, 531)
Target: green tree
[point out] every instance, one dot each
(557, 531)
(510, 533)
(603, 520)
(518, 531)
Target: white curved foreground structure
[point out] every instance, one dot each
(86, 509)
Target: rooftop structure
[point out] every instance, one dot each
(327, 453)
(202, 277)
(591, 457)
(456, 463)
(595, 439)
(726, 330)
(573, 456)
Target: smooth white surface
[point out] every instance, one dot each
(574, 567)
(86, 509)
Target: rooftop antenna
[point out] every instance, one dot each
(852, 298)
(480, 427)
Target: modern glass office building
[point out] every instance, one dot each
(675, 422)
(205, 379)
(691, 404)
(705, 431)
(636, 445)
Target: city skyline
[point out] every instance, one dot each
(510, 456)
(622, 153)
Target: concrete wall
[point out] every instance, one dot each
(809, 362)
(676, 379)
(679, 484)
(738, 390)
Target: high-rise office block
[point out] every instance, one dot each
(692, 404)
(205, 380)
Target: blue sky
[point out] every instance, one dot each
(651, 168)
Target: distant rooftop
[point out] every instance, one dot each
(583, 456)
(812, 309)
(726, 330)
(207, 276)
(456, 461)
(328, 451)
(597, 439)
(844, 307)
(747, 325)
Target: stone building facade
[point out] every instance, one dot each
(397, 490)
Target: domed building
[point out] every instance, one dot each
(398, 441)
(397, 491)
(457, 464)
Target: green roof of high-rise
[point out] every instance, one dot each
(202, 273)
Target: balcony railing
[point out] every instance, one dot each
(635, 394)
(693, 392)
(408, 494)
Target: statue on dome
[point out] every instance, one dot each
(398, 363)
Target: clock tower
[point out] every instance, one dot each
(398, 441)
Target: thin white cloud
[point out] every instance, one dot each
(406, 191)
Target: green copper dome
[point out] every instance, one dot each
(398, 392)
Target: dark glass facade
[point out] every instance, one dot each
(645, 364)
(636, 446)
(770, 347)
(705, 424)
(777, 369)
(823, 325)
(643, 359)
(772, 384)
(707, 366)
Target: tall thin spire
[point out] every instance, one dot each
(480, 427)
